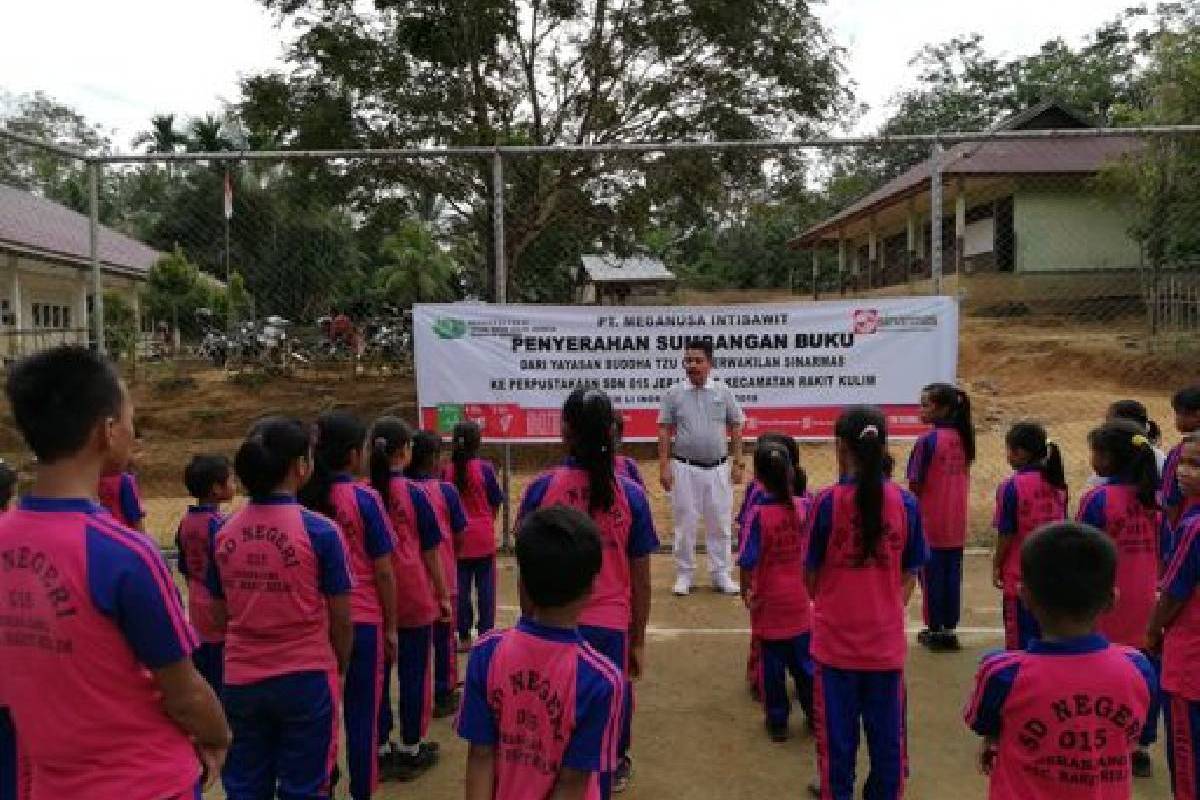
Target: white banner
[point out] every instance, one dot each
(792, 366)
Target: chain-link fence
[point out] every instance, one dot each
(1074, 253)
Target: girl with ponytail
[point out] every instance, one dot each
(1034, 496)
(614, 620)
(772, 583)
(482, 498)
(334, 490)
(865, 548)
(422, 600)
(285, 650)
(423, 470)
(939, 474)
(1126, 508)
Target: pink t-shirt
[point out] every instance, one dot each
(451, 519)
(1066, 716)
(276, 565)
(87, 610)
(1181, 643)
(1025, 501)
(940, 477)
(546, 700)
(119, 494)
(364, 524)
(195, 537)
(773, 553)
(481, 497)
(858, 610)
(1136, 531)
(417, 530)
(626, 533)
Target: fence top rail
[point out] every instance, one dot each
(616, 148)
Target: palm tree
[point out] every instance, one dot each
(206, 135)
(417, 269)
(162, 136)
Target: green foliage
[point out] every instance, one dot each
(416, 269)
(120, 330)
(175, 289)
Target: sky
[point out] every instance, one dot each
(121, 61)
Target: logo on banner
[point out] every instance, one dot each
(866, 320)
(448, 328)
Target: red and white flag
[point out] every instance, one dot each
(228, 197)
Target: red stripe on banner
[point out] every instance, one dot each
(508, 422)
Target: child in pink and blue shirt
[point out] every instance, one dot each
(113, 650)
(541, 707)
(864, 551)
(334, 491)
(475, 480)
(772, 582)
(1033, 496)
(939, 474)
(615, 617)
(1060, 718)
(208, 479)
(118, 492)
(282, 579)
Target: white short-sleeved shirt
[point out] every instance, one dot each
(701, 417)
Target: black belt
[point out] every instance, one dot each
(701, 464)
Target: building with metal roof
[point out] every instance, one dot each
(45, 272)
(612, 280)
(1021, 206)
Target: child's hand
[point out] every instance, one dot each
(637, 660)
(746, 598)
(1153, 641)
(445, 610)
(998, 578)
(987, 756)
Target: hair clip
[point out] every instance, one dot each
(1051, 443)
(870, 431)
(1140, 441)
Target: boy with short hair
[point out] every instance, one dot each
(541, 707)
(1060, 719)
(209, 480)
(1175, 628)
(1186, 404)
(109, 668)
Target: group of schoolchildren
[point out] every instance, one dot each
(1101, 618)
(358, 553)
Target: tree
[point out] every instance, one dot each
(162, 136)
(206, 135)
(175, 289)
(416, 270)
(543, 72)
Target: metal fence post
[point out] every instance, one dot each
(94, 253)
(501, 297)
(935, 217)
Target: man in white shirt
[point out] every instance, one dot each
(699, 460)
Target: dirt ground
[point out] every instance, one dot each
(697, 733)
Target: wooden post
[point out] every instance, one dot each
(960, 226)
(841, 255)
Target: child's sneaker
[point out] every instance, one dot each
(777, 732)
(445, 705)
(405, 767)
(925, 637)
(622, 775)
(1140, 764)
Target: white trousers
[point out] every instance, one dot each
(702, 494)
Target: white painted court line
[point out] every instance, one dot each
(912, 631)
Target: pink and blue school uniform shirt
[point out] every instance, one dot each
(87, 610)
(367, 534)
(1181, 641)
(276, 565)
(754, 492)
(452, 519)
(628, 468)
(481, 499)
(417, 531)
(119, 494)
(858, 609)
(195, 540)
(626, 533)
(1138, 535)
(1173, 501)
(1025, 501)
(774, 550)
(546, 701)
(940, 477)
(1065, 716)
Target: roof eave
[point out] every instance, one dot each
(70, 260)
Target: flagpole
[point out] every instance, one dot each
(227, 213)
